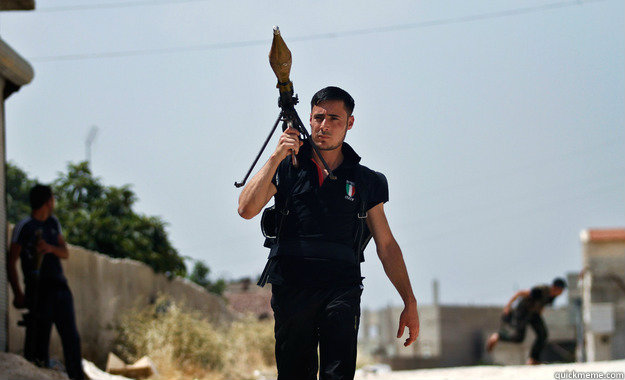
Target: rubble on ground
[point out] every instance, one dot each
(15, 367)
(141, 369)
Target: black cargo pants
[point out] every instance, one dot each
(55, 305)
(514, 327)
(307, 318)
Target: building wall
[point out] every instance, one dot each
(377, 337)
(560, 341)
(456, 336)
(15, 72)
(464, 330)
(104, 288)
(3, 221)
(604, 298)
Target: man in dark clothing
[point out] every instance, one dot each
(38, 243)
(314, 262)
(527, 311)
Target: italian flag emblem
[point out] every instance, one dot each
(350, 187)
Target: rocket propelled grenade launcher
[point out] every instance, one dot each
(280, 61)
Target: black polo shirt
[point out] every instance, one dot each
(316, 244)
(539, 297)
(26, 233)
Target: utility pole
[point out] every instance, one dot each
(93, 132)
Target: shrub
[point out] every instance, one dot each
(186, 346)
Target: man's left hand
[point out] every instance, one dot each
(43, 247)
(409, 318)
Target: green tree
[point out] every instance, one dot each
(18, 186)
(99, 217)
(200, 275)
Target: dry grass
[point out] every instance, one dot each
(183, 345)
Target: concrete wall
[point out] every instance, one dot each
(377, 337)
(561, 334)
(3, 221)
(104, 288)
(455, 336)
(463, 330)
(604, 296)
(378, 329)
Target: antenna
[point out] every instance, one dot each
(93, 132)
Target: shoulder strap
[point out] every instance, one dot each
(363, 235)
(281, 212)
(283, 208)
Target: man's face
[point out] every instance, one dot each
(556, 291)
(51, 203)
(329, 123)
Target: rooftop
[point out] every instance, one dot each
(603, 235)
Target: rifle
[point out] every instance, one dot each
(32, 278)
(29, 319)
(280, 61)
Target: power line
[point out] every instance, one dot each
(315, 37)
(127, 4)
(145, 52)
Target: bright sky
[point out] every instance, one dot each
(499, 124)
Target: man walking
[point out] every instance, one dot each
(527, 311)
(38, 242)
(322, 226)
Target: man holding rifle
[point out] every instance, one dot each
(39, 245)
(322, 228)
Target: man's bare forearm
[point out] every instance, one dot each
(518, 294)
(259, 190)
(60, 251)
(14, 253)
(514, 297)
(395, 268)
(13, 279)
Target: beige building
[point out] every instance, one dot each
(603, 293)
(15, 72)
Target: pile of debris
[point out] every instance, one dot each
(15, 367)
(141, 369)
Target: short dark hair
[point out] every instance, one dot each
(559, 283)
(333, 93)
(39, 195)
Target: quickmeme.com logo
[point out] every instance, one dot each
(572, 374)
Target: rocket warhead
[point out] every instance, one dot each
(280, 61)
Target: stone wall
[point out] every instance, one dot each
(104, 288)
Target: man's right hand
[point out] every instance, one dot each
(19, 301)
(260, 189)
(289, 143)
